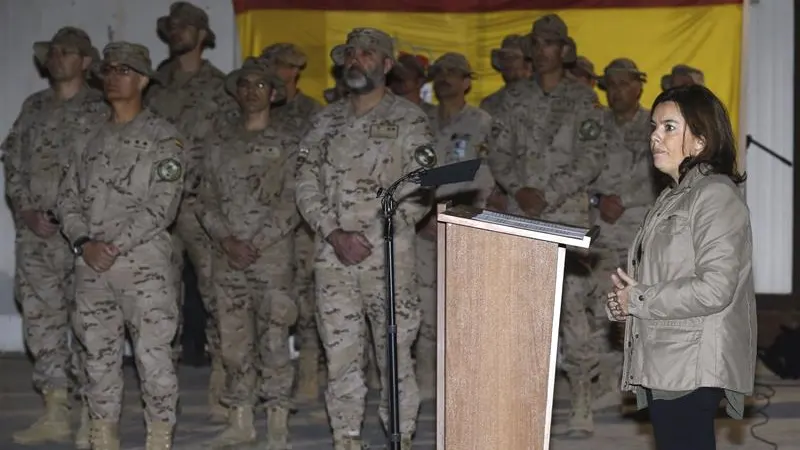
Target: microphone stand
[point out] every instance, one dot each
(752, 140)
(389, 208)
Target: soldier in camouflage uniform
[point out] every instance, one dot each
(682, 75)
(295, 114)
(514, 61)
(36, 152)
(355, 147)
(121, 192)
(620, 198)
(462, 133)
(407, 78)
(250, 213)
(190, 95)
(548, 152)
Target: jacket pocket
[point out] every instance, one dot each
(671, 356)
(673, 224)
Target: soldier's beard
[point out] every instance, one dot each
(358, 81)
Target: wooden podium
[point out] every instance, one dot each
(499, 283)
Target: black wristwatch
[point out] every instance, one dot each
(77, 246)
(594, 201)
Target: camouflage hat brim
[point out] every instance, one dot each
(339, 52)
(602, 83)
(435, 69)
(41, 48)
(97, 69)
(277, 84)
(162, 28)
(498, 54)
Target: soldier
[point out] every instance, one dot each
(35, 154)
(296, 113)
(620, 198)
(191, 96)
(355, 147)
(121, 192)
(250, 213)
(547, 154)
(408, 77)
(583, 71)
(682, 75)
(514, 61)
(462, 133)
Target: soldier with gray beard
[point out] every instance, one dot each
(620, 198)
(190, 95)
(354, 148)
(36, 152)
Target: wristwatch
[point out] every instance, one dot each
(594, 201)
(77, 246)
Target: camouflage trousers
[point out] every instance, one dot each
(578, 325)
(304, 286)
(44, 290)
(350, 299)
(425, 349)
(199, 248)
(256, 309)
(140, 295)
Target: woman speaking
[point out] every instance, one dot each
(688, 296)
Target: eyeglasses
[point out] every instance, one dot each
(117, 69)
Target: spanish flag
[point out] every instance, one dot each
(656, 34)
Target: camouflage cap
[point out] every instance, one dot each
(285, 53)
(408, 65)
(135, 56)
(511, 45)
(621, 65)
(682, 70)
(257, 66)
(186, 14)
(367, 39)
(451, 61)
(585, 67)
(70, 37)
(571, 55)
(550, 27)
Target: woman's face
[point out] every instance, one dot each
(671, 140)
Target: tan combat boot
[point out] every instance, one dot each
(307, 376)
(581, 420)
(277, 428)
(82, 441)
(53, 426)
(104, 435)
(216, 386)
(241, 429)
(349, 443)
(159, 436)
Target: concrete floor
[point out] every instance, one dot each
(19, 406)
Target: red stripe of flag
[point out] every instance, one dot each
(464, 6)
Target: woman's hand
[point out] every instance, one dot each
(617, 302)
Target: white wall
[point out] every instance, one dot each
(24, 21)
(769, 118)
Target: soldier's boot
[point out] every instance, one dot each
(308, 376)
(277, 428)
(104, 435)
(240, 430)
(82, 441)
(53, 425)
(349, 443)
(426, 369)
(581, 420)
(216, 386)
(159, 436)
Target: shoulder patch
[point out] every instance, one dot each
(425, 156)
(169, 169)
(589, 130)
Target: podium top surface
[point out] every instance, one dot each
(541, 230)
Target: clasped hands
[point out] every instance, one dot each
(619, 298)
(100, 256)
